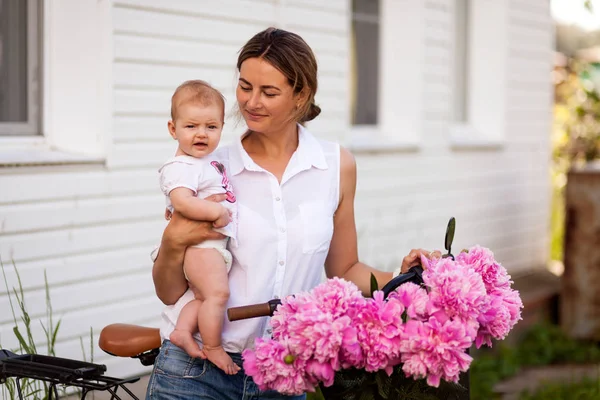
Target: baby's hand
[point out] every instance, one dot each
(223, 219)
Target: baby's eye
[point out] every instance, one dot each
(189, 126)
(213, 127)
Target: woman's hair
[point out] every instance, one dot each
(290, 54)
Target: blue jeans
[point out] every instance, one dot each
(177, 376)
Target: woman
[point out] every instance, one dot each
(296, 214)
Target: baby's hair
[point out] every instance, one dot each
(196, 91)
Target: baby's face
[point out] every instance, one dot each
(197, 128)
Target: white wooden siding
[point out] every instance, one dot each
(92, 228)
(500, 197)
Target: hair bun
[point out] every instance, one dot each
(312, 113)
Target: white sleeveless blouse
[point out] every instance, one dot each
(284, 232)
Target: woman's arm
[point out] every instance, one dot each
(342, 260)
(181, 232)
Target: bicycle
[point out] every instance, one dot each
(142, 343)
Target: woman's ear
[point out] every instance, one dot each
(301, 98)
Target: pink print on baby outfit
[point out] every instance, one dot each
(225, 181)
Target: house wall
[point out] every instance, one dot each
(91, 228)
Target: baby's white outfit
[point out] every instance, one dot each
(204, 176)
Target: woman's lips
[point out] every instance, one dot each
(254, 117)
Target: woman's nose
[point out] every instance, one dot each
(254, 100)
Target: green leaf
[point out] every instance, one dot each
(374, 284)
(450, 234)
(21, 340)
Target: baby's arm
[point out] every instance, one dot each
(190, 206)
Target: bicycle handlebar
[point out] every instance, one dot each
(252, 311)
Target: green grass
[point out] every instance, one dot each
(587, 389)
(22, 329)
(542, 345)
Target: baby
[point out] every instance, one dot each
(197, 118)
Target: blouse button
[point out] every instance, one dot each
(281, 262)
(277, 198)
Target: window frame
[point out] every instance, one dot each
(34, 47)
(485, 53)
(358, 16)
(399, 113)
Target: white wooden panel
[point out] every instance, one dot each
(186, 27)
(134, 129)
(169, 77)
(320, 20)
(174, 52)
(60, 185)
(30, 246)
(324, 43)
(320, 125)
(92, 265)
(197, 53)
(16, 218)
(85, 294)
(239, 10)
(142, 155)
(340, 6)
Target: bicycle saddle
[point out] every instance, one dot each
(125, 340)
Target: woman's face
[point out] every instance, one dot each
(265, 97)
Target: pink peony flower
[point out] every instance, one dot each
(268, 369)
(414, 298)
(455, 290)
(482, 261)
(380, 329)
(500, 317)
(318, 325)
(338, 297)
(435, 350)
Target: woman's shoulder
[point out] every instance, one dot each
(329, 147)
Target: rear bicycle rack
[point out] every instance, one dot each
(60, 371)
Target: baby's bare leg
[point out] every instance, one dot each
(206, 270)
(187, 325)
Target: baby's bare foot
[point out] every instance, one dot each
(221, 359)
(184, 340)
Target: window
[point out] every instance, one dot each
(387, 60)
(480, 73)
(19, 67)
(365, 62)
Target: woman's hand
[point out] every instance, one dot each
(414, 258)
(184, 232)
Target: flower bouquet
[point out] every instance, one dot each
(407, 343)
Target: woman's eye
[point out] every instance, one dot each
(270, 94)
(245, 89)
